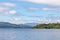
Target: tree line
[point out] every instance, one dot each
(48, 26)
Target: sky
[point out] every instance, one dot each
(30, 11)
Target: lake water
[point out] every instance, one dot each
(29, 34)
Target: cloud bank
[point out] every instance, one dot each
(5, 8)
(44, 9)
(49, 2)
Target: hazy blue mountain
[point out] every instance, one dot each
(24, 26)
(31, 24)
(9, 25)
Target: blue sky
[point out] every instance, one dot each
(30, 11)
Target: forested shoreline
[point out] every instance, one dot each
(48, 26)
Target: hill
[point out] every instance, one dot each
(9, 25)
(48, 26)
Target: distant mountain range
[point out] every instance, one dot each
(10, 25)
(31, 24)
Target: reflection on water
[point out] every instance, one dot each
(29, 34)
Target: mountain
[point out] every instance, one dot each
(9, 25)
(31, 24)
(24, 26)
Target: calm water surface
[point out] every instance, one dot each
(29, 34)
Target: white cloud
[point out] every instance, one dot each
(2, 9)
(50, 8)
(5, 7)
(6, 4)
(45, 9)
(45, 21)
(15, 21)
(21, 21)
(12, 12)
(32, 8)
(49, 2)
